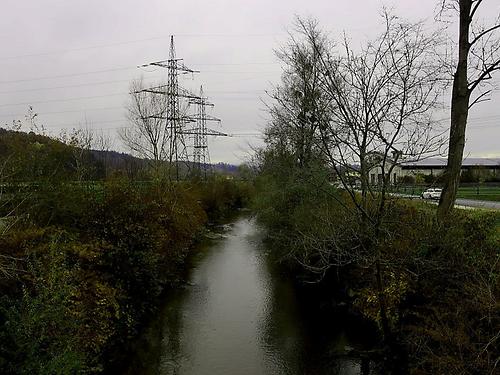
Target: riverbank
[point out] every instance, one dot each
(405, 275)
(91, 264)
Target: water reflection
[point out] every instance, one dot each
(239, 317)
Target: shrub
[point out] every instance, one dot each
(426, 267)
(220, 197)
(89, 280)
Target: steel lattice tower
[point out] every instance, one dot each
(177, 147)
(201, 156)
(175, 121)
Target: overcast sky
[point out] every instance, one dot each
(73, 60)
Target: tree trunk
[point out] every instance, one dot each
(459, 113)
(386, 330)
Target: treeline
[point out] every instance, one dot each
(439, 282)
(430, 285)
(83, 261)
(29, 157)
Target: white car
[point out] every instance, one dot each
(432, 194)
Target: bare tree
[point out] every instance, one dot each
(103, 143)
(31, 119)
(299, 104)
(81, 141)
(381, 101)
(478, 59)
(147, 136)
(30, 123)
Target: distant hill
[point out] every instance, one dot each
(225, 168)
(31, 156)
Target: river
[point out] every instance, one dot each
(238, 316)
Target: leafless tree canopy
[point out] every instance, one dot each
(299, 103)
(380, 97)
(147, 136)
(478, 60)
(81, 141)
(355, 108)
(482, 47)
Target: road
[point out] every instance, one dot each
(460, 203)
(491, 205)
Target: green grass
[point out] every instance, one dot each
(483, 193)
(413, 190)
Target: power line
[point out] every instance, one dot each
(116, 81)
(125, 68)
(240, 72)
(473, 125)
(70, 75)
(114, 44)
(76, 124)
(62, 112)
(99, 108)
(48, 53)
(481, 118)
(239, 64)
(470, 126)
(62, 100)
(232, 35)
(69, 86)
(88, 122)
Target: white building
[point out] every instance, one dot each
(430, 166)
(436, 166)
(376, 173)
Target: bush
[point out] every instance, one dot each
(39, 325)
(426, 266)
(87, 259)
(88, 281)
(220, 197)
(458, 262)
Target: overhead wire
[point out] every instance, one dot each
(483, 121)
(126, 42)
(67, 86)
(70, 75)
(126, 68)
(14, 115)
(62, 100)
(90, 122)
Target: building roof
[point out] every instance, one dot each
(441, 163)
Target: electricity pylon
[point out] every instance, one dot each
(175, 121)
(201, 156)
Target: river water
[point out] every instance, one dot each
(237, 316)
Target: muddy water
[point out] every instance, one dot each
(237, 316)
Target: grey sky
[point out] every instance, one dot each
(231, 42)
